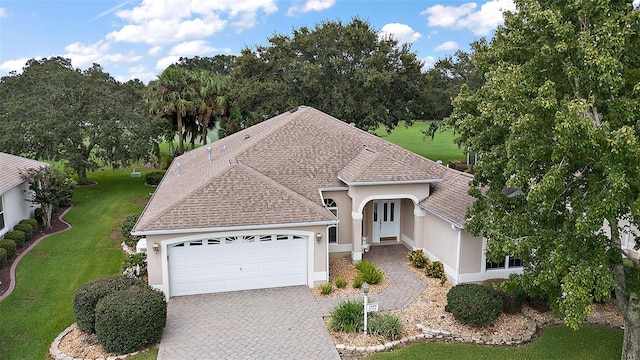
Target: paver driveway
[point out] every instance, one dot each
(282, 323)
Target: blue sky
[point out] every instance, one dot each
(139, 38)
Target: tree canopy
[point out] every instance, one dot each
(86, 118)
(558, 119)
(345, 70)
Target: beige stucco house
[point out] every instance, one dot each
(14, 205)
(268, 206)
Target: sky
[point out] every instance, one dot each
(140, 38)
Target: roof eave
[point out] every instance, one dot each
(388, 182)
(231, 228)
(442, 216)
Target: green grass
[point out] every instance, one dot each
(556, 342)
(40, 306)
(412, 139)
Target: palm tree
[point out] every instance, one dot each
(175, 95)
(212, 99)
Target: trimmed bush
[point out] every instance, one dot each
(10, 246)
(357, 282)
(474, 304)
(88, 294)
(3, 257)
(348, 316)
(326, 289)
(512, 302)
(387, 325)
(33, 223)
(417, 258)
(129, 320)
(26, 229)
(38, 214)
(369, 272)
(340, 283)
(154, 178)
(436, 270)
(125, 230)
(17, 236)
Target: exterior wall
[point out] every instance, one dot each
(317, 254)
(471, 255)
(406, 219)
(15, 207)
(361, 195)
(441, 242)
(344, 221)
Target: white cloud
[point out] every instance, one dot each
(467, 15)
(636, 3)
(138, 72)
(161, 22)
(3, 13)
(166, 61)
(447, 46)
(190, 48)
(428, 62)
(401, 32)
(83, 56)
(154, 50)
(311, 5)
(15, 64)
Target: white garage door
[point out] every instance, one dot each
(237, 263)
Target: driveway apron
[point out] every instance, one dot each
(281, 323)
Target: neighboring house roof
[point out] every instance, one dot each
(449, 198)
(270, 173)
(10, 167)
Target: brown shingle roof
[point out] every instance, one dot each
(449, 198)
(10, 167)
(270, 173)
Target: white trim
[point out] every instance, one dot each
(458, 255)
(333, 248)
(357, 215)
(366, 200)
(165, 253)
(319, 276)
(391, 182)
(231, 228)
(356, 255)
(491, 274)
(409, 241)
(162, 288)
(441, 216)
(337, 188)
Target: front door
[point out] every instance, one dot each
(386, 220)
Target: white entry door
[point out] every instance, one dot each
(386, 220)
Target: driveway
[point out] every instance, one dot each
(281, 323)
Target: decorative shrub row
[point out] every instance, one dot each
(387, 325)
(33, 223)
(3, 257)
(348, 316)
(128, 320)
(88, 294)
(17, 236)
(326, 289)
(26, 229)
(10, 247)
(417, 258)
(474, 304)
(154, 178)
(435, 269)
(125, 230)
(340, 283)
(368, 272)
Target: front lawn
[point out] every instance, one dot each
(556, 342)
(40, 306)
(411, 138)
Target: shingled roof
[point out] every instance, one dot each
(271, 173)
(449, 198)
(10, 167)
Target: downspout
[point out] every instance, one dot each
(458, 252)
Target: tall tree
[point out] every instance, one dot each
(558, 119)
(49, 188)
(53, 111)
(345, 70)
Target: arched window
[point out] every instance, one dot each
(332, 206)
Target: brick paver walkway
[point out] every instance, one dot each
(282, 323)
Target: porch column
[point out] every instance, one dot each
(418, 227)
(356, 226)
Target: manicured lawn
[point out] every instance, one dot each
(412, 139)
(40, 306)
(556, 342)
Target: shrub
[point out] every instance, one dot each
(3, 257)
(357, 282)
(125, 230)
(512, 302)
(326, 288)
(340, 283)
(38, 214)
(131, 263)
(10, 246)
(369, 272)
(88, 294)
(154, 178)
(128, 320)
(417, 258)
(436, 270)
(387, 325)
(33, 223)
(474, 304)
(26, 229)
(17, 236)
(348, 316)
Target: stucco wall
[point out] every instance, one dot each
(441, 240)
(15, 207)
(471, 253)
(406, 218)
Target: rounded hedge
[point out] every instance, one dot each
(474, 304)
(154, 178)
(17, 236)
(10, 246)
(33, 223)
(88, 294)
(129, 320)
(26, 229)
(3, 257)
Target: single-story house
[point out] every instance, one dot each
(14, 205)
(269, 205)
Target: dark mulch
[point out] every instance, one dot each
(56, 225)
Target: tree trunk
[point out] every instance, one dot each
(180, 135)
(82, 177)
(631, 344)
(47, 209)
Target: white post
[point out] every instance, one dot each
(365, 288)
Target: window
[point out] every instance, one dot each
(1, 215)
(332, 206)
(511, 261)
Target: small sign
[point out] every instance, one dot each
(373, 307)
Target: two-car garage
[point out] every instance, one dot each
(237, 262)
